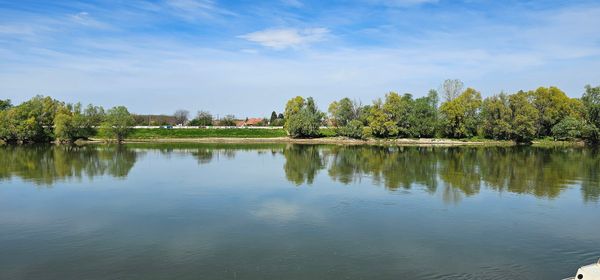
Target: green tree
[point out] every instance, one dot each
(273, 117)
(31, 121)
(302, 118)
(380, 124)
(553, 105)
(424, 116)
(496, 117)
(118, 123)
(400, 110)
(344, 111)
(591, 102)
(571, 128)
(5, 104)
(203, 118)
(524, 117)
(460, 116)
(228, 120)
(71, 123)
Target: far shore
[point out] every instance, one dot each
(343, 141)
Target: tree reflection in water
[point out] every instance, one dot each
(461, 171)
(45, 165)
(458, 171)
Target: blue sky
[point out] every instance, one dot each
(248, 57)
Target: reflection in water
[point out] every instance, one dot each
(454, 172)
(44, 165)
(542, 172)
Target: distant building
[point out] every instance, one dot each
(253, 122)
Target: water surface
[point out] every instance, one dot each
(196, 211)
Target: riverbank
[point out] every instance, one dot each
(344, 141)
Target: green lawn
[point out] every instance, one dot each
(145, 133)
(161, 133)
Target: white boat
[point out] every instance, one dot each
(588, 272)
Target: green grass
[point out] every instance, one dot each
(145, 133)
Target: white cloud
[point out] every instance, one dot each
(286, 37)
(194, 9)
(85, 19)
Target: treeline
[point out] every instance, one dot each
(43, 119)
(522, 116)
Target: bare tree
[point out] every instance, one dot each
(181, 116)
(452, 88)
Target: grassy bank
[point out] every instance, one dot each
(146, 133)
(328, 135)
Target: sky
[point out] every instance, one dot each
(248, 58)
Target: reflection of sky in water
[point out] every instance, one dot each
(239, 215)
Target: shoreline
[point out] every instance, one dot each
(339, 141)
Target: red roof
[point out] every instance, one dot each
(253, 121)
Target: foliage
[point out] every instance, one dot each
(302, 118)
(524, 117)
(353, 129)
(118, 123)
(571, 128)
(425, 115)
(459, 116)
(203, 118)
(181, 116)
(591, 103)
(228, 120)
(276, 120)
(496, 117)
(31, 121)
(553, 105)
(5, 104)
(344, 111)
(71, 123)
(380, 124)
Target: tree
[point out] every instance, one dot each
(228, 120)
(203, 118)
(452, 88)
(344, 111)
(273, 118)
(5, 104)
(399, 109)
(302, 117)
(71, 123)
(591, 102)
(460, 116)
(524, 117)
(571, 128)
(424, 117)
(496, 117)
(380, 124)
(31, 121)
(118, 123)
(553, 105)
(181, 116)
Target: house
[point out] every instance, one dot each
(253, 122)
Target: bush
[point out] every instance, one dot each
(571, 128)
(354, 129)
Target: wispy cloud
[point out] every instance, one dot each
(197, 9)
(402, 3)
(293, 3)
(85, 19)
(286, 37)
